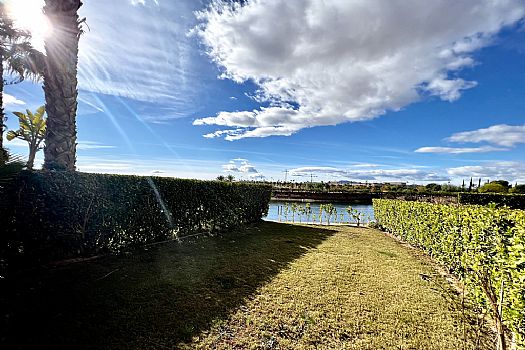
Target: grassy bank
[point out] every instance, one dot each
(271, 286)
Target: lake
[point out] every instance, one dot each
(366, 212)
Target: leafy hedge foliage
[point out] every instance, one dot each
(513, 201)
(56, 215)
(485, 246)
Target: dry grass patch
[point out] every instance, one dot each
(357, 290)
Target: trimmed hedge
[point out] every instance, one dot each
(482, 245)
(512, 201)
(55, 215)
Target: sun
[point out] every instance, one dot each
(27, 15)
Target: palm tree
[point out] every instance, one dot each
(19, 59)
(60, 83)
(32, 130)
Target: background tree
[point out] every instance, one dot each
(18, 59)
(502, 183)
(494, 187)
(450, 188)
(32, 130)
(221, 178)
(60, 83)
(518, 189)
(433, 187)
(230, 178)
(421, 189)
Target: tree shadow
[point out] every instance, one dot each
(151, 299)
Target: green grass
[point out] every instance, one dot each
(272, 286)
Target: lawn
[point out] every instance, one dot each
(271, 286)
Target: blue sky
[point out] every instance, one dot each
(343, 90)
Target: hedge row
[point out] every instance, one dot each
(484, 246)
(50, 216)
(513, 201)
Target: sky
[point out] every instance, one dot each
(376, 91)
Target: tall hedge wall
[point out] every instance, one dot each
(485, 246)
(513, 201)
(48, 215)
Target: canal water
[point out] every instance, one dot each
(278, 212)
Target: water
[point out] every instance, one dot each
(366, 212)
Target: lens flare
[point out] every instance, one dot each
(28, 15)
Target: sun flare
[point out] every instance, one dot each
(27, 15)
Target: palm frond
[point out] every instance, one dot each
(23, 61)
(20, 59)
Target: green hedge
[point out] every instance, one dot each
(56, 215)
(513, 201)
(484, 246)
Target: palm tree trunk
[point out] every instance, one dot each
(60, 84)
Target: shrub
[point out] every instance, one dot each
(482, 245)
(56, 215)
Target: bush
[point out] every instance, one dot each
(482, 245)
(57, 215)
(512, 201)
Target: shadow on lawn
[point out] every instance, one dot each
(153, 299)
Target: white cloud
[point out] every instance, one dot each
(334, 61)
(143, 2)
(11, 101)
(507, 170)
(459, 150)
(501, 135)
(86, 145)
(230, 167)
(447, 89)
(364, 165)
(242, 166)
(372, 174)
